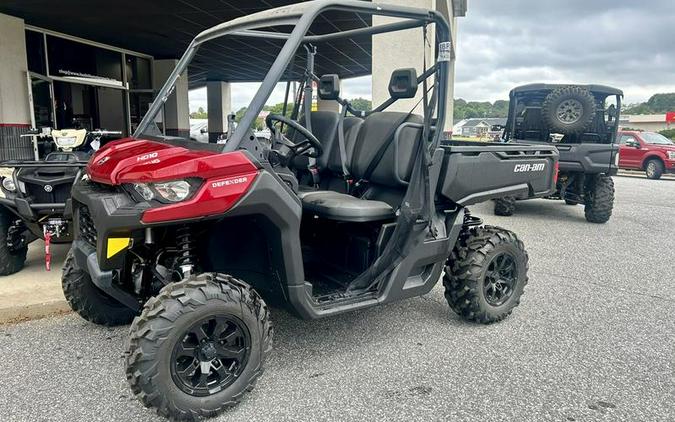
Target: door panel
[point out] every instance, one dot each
(629, 156)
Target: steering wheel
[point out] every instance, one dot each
(310, 143)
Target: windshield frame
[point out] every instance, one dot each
(302, 15)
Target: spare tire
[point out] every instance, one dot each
(568, 110)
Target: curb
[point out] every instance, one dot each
(21, 313)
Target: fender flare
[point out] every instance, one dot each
(651, 156)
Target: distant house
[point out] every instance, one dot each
(479, 127)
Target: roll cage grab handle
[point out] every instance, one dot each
(301, 16)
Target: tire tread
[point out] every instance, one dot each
(462, 279)
(157, 318)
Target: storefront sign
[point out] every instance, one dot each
(670, 117)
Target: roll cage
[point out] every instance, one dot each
(531, 96)
(301, 16)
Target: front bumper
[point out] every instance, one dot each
(85, 259)
(30, 211)
(113, 213)
(670, 166)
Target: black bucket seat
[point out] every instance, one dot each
(375, 154)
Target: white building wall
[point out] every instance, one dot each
(402, 49)
(177, 107)
(14, 107)
(219, 105)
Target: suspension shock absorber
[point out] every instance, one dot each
(186, 257)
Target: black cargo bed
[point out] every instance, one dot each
(474, 172)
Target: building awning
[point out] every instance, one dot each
(164, 28)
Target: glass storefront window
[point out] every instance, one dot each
(42, 103)
(35, 50)
(138, 72)
(139, 102)
(83, 63)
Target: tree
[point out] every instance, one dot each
(656, 104)
(661, 103)
(362, 104)
(199, 114)
(473, 109)
(668, 133)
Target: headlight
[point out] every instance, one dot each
(671, 155)
(145, 191)
(8, 184)
(173, 191)
(65, 142)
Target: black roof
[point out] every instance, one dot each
(164, 28)
(550, 87)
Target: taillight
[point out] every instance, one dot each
(556, 169)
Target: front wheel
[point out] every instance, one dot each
(198, 346)
(486, 274)
(654, 169)
(12, 260)
(90, 302)
(505, 206)
(599, 198)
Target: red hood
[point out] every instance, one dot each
(133, 160)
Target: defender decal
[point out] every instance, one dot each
(229, 182)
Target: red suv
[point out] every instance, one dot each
(648, 151)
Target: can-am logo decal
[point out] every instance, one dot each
(229, 182)
(524, 168)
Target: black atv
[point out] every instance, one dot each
(35, 195)
(191, 240)
(582, 122)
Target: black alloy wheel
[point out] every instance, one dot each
(211, 355)
(500, 279)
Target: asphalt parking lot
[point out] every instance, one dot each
(593, 340)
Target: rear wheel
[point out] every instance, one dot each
(505, 206)
(599, 198)
(11, 259)
(654, 169)
(198, 346)
(90, 302)
(486, 274)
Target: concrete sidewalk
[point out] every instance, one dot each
(34, 292)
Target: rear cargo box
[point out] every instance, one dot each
(474, 172)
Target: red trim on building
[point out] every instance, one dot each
(14, 124)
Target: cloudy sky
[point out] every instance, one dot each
(629, 44)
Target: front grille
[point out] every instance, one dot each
(59, 193)
(86, 225)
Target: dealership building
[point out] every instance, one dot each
(65, 65)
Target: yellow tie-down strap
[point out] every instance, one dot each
(117, 245)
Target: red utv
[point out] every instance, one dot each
(341, 212)
(650, 152)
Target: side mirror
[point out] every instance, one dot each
(634, 144)
(203, 131)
